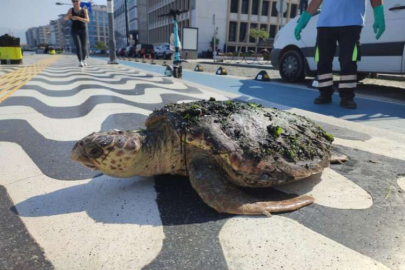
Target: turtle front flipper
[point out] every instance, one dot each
(337, 158)
(211, 183)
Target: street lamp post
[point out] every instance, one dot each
(110, 10)
(126, 21)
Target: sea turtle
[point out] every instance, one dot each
(221, 146)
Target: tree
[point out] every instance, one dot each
(258, 34)
(100, 45)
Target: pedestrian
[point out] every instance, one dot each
(340, 22)
(79, 18)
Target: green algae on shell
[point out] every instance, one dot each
(285, 135)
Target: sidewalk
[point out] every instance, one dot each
(267, 66)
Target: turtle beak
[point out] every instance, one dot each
(78, 155)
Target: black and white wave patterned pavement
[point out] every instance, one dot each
(57, 215)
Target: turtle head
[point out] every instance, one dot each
(114, 153)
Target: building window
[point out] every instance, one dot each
(231, 49)
(234, 6)
(265, 8)
(245, 6)
(242, 32)
(255, 7)
(274, 10)
(293, 11)
(252, 25)
(232, 31)
(273, 31)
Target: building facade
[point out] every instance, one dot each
(98, 26)
(244, 15)
(126, 22)
(143, 21)
(44, 34)
(57, 33)
(60, 34)
(57, 36)
(230, 19)
(31, 35)
(38, 36)
(160, 28)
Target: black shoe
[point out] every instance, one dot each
(348, 103)
(323, 99)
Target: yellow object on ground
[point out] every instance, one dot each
(12, 53)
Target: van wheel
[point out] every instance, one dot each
(292, 66)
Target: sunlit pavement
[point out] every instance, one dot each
(57, 214)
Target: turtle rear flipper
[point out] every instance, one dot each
(210, 181)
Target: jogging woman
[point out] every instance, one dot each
(79, 18)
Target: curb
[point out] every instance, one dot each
(238, 65)
(391, 77)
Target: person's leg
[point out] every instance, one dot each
(76, 39)
(325, 51)
(83, 41)
(349, 42)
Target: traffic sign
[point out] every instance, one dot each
(86, 5)
(281, 6)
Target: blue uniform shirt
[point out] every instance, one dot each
(335, 13)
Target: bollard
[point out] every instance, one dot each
(199, 68)
(221, 71)
(152, 61)
(262, 76)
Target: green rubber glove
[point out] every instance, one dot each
(379, 21)
(303, 21)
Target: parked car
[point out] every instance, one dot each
(164, 51)
(144, 49)
(131, 51)
(158, 51)
(295, 58)
(127, 50)
(122, 52)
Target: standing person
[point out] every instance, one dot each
(340, 21)
(79, 18)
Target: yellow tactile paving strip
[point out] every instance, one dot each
(14, 80)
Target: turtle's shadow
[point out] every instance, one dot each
(169, 200)
(104, 199)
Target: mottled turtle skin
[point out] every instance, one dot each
(220, 145)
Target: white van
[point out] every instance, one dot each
(295, 58)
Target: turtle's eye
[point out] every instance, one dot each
(94, 151)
